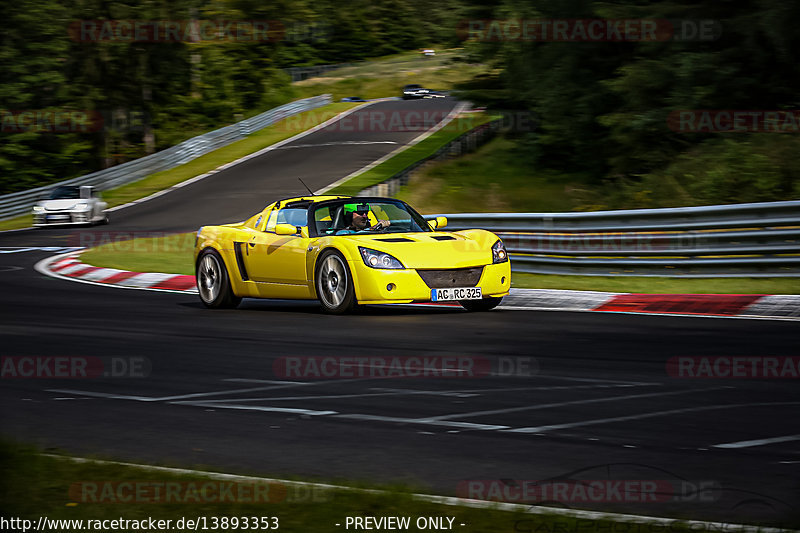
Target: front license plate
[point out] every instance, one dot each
(456, 293)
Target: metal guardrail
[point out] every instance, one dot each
(750, 240)
(21, 202)
(303, 73)
(465, 143)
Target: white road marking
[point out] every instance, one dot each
(287, 410)
(456, 394)
(554, 387)
(274, 382)
(164, 398)
(336, 143)
(192, 395)
(331, 396)
(463, 425)
(103, 395)
(541, 429)
(692, 525)
(596, 380)
(561, 404)
(757, 442)
(21, 249)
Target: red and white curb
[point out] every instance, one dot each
(69, 266)
(752, 306)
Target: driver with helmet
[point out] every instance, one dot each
(356, 218)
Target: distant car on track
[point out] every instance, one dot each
(353, 99)
(68, 204)
(414, 90)
(311, 247)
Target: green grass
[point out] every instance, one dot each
(173, 254)
(493, 179)
(170, 254)
(22, 221)
(153, 183)
(34, 486)
(387, 76)
(407, 157)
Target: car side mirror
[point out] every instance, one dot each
(438, 222)
(285, 229)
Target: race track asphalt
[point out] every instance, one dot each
(589, 398)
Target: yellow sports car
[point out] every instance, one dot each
(348, 251)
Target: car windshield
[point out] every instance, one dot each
(65, 193)
(336, 218)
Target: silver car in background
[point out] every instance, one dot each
(68, 204)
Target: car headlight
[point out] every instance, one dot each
(499, 254)
(81, 206)
(38, 209)
(376, 259)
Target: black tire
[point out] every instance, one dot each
(480, 305)
(213, 284)
(334, 284)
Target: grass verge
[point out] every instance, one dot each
(173, 254)
(259, 140)
(496, 178)
(387, 76)
(22, 221)
(411, 155)
(37, 486)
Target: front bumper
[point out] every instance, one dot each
(58, 218)
(371, 284)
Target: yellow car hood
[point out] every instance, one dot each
(438, 249)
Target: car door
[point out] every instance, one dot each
(279, 259)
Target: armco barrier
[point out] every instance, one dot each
(22, 202)
(743, 240)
